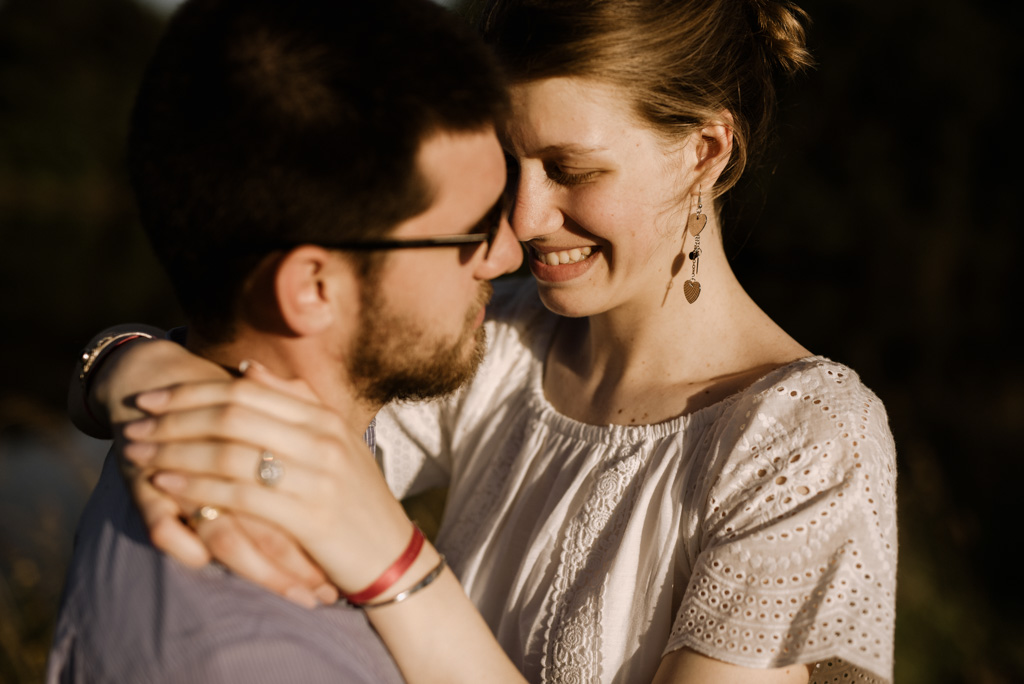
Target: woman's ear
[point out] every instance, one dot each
(315, 289)
(714, 149)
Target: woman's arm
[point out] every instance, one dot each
(93, 368)
(332, 498)
(689, 667)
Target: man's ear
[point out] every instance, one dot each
(714, 149)
(315, 289)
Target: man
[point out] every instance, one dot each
(289, 159)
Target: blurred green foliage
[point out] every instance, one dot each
(881, 231)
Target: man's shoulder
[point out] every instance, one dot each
(131, 613)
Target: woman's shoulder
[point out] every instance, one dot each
(797, 507)
(812, 388)
(812, 410)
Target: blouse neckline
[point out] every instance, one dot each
(624, 434)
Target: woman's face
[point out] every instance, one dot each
(598, 198)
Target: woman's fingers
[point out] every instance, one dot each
(238, 496)
(162, 516)
(319, 449)
(224, 459)
(253, 449)
(243, 425)
(257, 372)
(286, 553)
(300, 389)
(352, 529)
(229, 462)
(280, 401)
(256, 551)
(251, 548)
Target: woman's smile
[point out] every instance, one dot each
(553, 266)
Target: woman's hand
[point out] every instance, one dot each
(210, 438)
(248, 546)
(135, 366)
(206, 442)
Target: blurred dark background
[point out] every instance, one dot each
(881, 231)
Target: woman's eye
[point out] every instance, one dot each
(557, 175)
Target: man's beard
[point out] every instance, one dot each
(393, 358)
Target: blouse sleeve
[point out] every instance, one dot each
(795, 560)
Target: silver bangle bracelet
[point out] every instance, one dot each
(422, 584)
(93, 355)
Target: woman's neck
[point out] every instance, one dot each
(661, 356)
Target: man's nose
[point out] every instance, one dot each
(505, 256)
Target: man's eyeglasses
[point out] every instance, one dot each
(488, 230)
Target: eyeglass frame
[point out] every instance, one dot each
(493, 217)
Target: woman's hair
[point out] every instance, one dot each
(682, 61)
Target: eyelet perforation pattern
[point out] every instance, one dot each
(800, 560)
(759, 530)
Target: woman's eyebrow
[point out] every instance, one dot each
(570, 148)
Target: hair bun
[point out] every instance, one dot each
(781, 25)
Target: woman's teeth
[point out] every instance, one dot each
(570, 256)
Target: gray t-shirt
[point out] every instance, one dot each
(132, 614)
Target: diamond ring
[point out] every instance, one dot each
(269, 471)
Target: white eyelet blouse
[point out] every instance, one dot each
(760, 530)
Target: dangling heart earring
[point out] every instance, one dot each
(695, 224)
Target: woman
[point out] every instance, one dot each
(649, 480)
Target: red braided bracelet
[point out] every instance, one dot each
(393, 573)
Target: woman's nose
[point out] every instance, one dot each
(534, 212)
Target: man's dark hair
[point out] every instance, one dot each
(296, 121)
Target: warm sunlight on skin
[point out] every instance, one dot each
(688, 667)
(591, 177)
(436, 289)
